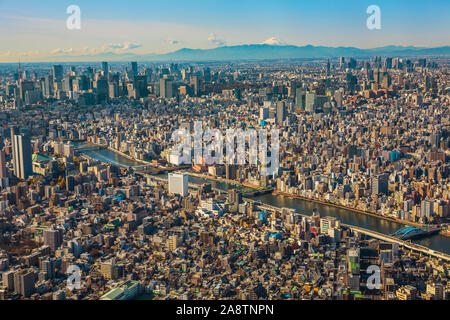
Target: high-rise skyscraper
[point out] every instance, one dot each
(310, 101)
(234, 197)
(195, 84)
(53, 238)
(134, 68)
(231, 171)
(300, 99)
(22, 156)
(165, 88)
(105, 68)
(58, 71)
(2, 164)
(24, 87)
(281, 112)
(342, 62)
(14, 131)
(426, 208)
(178, 184)
(24, 282)
(101, 89)
(8, 280)
(47, 86)
(48, 267)
(380, 184)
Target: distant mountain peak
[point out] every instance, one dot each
(272, 41)
(272, 48)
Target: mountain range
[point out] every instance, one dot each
(267, 52)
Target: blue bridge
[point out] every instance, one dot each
(409, 232)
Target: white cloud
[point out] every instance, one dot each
(95, 37)
(108, 48)
(173, 41)
(121, 46)
(213, 39)
(62, 51)
(6, 54)
(15, 55)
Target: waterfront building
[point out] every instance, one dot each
(178, 184)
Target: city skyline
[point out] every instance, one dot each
(356, 207)
(236, 153)
(38, 33)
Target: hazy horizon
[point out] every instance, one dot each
(37, 32)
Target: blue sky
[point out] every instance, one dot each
(36, 30)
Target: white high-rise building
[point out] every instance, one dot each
(178, 184)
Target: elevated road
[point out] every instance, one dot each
(406, 244)
(374, 234)
(380, 236)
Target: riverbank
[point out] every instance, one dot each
(235, 182)
(259, 191)
(445, 233)
(144, 163)
(252, 191)
(121, 153)
(405, 222)
(377, 235)
(289, 195)
(134, 162)
(439, 242)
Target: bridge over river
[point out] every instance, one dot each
(410, 232)
(380, 236)
(438, 243)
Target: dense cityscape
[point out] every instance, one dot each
(90, 181)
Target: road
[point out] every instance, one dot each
(377, 235)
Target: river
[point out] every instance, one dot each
(436, 242)
(106, 155)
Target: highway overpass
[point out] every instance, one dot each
(376, 235)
